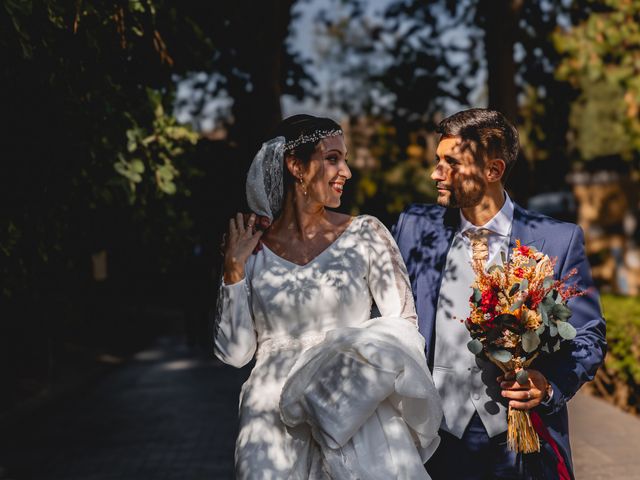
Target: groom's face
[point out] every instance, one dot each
(458, 175)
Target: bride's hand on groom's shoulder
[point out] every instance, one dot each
(524, 397)
(240, 241)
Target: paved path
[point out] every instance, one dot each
(166, 415)
(604, 440)
(170, 414)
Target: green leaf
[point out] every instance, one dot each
(522, 377)
(137, 165)
(494, 267)
(516, 305)
(524, 285)
(543, 313)
(475, 346)
(540, 330)
(548, 302)
(509, 321)
(530, 341)
(514, 289)
(566, 330)
(556, 347)
(501, 355)
(553, 329)
(547, 282)
(561, 312)
(477, 296)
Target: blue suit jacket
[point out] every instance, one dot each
(424, 234)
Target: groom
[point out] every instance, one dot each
(475, 218)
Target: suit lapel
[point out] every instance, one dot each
(522, 229)
(450, 224)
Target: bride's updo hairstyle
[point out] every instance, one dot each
(303, 133)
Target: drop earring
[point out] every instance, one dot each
(303, 186)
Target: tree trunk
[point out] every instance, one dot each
(499, 19)
(259, 111)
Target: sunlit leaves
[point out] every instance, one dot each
(601, 60)
(157, 147)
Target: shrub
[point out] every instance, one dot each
(618, 381)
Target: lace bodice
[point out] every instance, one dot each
(279, 302)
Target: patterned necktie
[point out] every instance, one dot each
(479, 245)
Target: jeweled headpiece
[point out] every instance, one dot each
(314, 138)
(265, 189)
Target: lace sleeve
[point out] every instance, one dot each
(234, 336)
(388, 278)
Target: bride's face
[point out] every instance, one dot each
(327, 172)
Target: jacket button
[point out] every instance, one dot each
(476, 396)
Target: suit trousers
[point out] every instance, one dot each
(474, 457)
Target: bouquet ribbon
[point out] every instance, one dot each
(541, 430)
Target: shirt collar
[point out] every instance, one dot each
(500, 223)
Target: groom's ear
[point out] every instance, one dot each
(495, 169)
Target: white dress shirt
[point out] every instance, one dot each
(500, 231)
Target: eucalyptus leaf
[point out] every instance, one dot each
(524, 285)
(514, 289)
(545, 348)
(530, 341)
(553, 329)
(522, 377)
(501, 355)
(543, 313)
(475, 346)
(556, 347)
(540, 330)
(494, 267)
(516, 305)
(508, 321)
(561, 312)
(566, 330)
(547, 282)
(477, 296)
(506, 318)
(548, 302)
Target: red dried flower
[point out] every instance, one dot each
(524, 250)
(489, 300)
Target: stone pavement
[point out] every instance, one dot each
(171, 413)
(605, 441)
(168, 414)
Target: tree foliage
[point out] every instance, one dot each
(94, 155)
(601, 59)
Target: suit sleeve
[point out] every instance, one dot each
(579, 359)
(388, 279)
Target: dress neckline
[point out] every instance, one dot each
(327, 248)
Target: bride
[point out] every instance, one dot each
(333, 393)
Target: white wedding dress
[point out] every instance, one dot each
(334, 393)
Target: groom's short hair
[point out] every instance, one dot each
(489, 129)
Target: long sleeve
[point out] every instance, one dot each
(388, 278)
(235, 335)
(578, 360)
